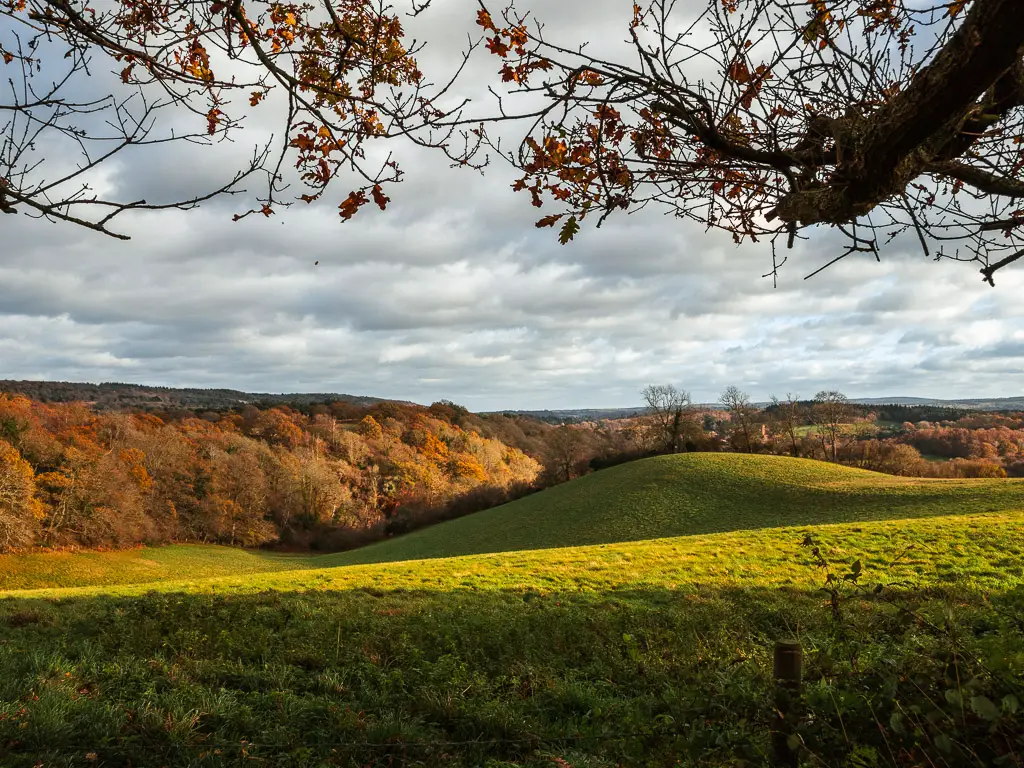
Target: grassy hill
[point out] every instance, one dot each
(597, 654)
(655, 498)
(695, 493)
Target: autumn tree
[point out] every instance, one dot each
(874, 118)
(743, 414)
(20, 511)
(670, 413)
(877, 119)
(338, 75)
(829, 411)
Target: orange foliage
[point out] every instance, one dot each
(73, 477)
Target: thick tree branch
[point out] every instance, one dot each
(983, 181)
(887, 150)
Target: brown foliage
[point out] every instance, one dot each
(247, 479)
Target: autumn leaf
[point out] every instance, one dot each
(638, 17)
(738, 71)
(497, 46)
(483, 18)
(549, 221)
(212, 120)
(379, 197)
(351, 204)
(569, 230)
(256, 98)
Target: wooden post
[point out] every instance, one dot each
(788, 674)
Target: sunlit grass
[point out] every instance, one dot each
(691, 494)
(518, 658)
(980, 550)
(685, 495)
(140, 565)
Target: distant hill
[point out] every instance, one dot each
(111, 396)
(690, 494)
(974, 404)
(561, 416)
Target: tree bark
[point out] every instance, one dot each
(880, 154)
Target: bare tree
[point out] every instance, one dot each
(765, 118)
(743, 415)
(669, 409)
(830, 410)
(564, 448)
(789, 415)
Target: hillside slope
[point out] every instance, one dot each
(694, 493)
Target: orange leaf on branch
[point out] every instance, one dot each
(379, 197)
(213, 118)
(350, 206)
(549, 221)
(738, 70)
(483, 18)
(497, 46)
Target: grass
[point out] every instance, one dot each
(986, 551)
(141, 565)
(696, 493)
(654, 653)
(682, 495)
(670, 496)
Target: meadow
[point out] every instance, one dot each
(615, 652)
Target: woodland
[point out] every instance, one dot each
(336, 475)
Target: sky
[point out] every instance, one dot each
(453, 293)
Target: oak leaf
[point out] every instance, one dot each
(379, 197)
(569, 230)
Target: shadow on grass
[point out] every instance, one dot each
(470, 677)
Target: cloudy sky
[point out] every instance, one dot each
(452, 293)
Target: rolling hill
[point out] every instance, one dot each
(667, 496)
(594, 654)
(695, 493)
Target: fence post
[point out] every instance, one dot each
(788, 673)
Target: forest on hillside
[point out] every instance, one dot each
(334, 475)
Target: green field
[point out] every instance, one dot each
(695, 493)
(139, 566)
(661, 497)
(654, 652)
